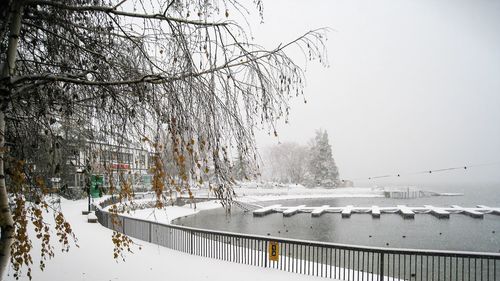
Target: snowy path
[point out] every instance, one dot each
(94, 261)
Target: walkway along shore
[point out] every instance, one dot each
(330, 260)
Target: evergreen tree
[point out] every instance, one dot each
(241, 168)
(322, 168)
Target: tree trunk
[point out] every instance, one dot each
(8, 69)
(6, 222)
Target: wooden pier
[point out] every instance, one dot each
(407, 212)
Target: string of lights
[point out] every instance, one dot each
(430, 171)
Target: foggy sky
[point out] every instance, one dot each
(412, 85)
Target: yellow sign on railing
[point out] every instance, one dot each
(274, 251)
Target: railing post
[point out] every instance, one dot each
(381, 270)
(265, 254)
(191, 242)
(123, 224)
(150, 229)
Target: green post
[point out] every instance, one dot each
(96, 182)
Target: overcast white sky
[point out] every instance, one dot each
(413, 85)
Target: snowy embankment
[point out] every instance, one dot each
(254, 194)
(170, 213)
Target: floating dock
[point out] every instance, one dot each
(438, 212)
(407, 212)
(319, 211)
(292, 211)
(265, 211)
(346, 212)
(469, 211)
(486, 209)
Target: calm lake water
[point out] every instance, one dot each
(459, 232)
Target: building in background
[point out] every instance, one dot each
(108, 162)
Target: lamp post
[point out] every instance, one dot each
(86, 173)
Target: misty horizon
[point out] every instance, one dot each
(412, 86)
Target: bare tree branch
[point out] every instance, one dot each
(113, 11)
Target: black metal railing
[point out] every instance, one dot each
(331, 260)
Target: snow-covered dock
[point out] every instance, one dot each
(375, 212)
(496, 211)
(406, 211)
(469, 211)
(319, 211)
(438, 212)
(265, 211)
(292, 211)
(346, 212)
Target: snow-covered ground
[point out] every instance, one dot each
(170, 213)
(94, 259)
